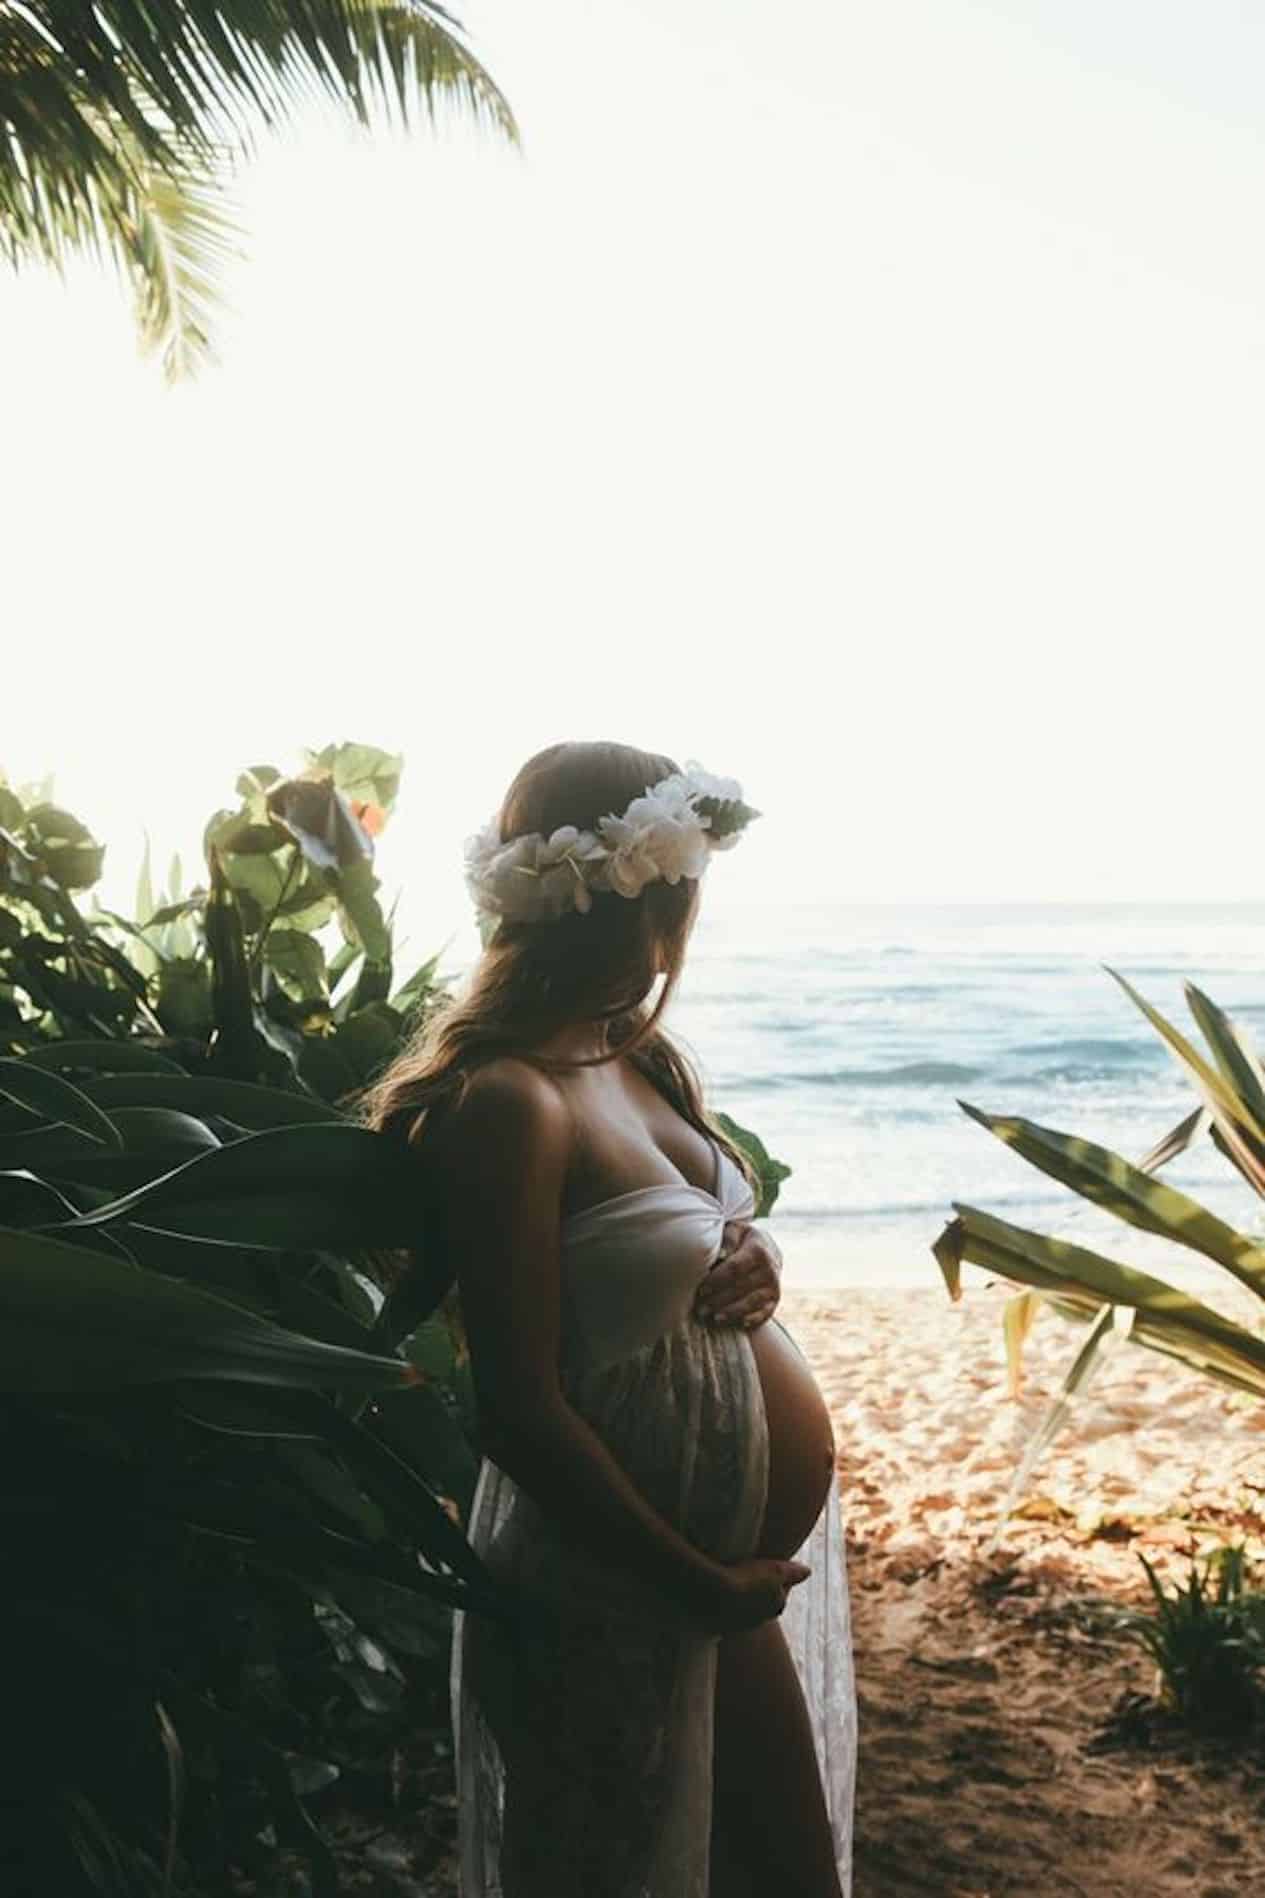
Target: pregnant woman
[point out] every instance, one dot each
(677, 1718)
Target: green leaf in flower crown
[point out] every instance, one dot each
(728, 815)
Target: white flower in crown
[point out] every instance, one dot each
(660, 835)
(729, 815)
(665, 834)
(531, 878)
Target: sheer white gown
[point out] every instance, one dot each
(584, 1750)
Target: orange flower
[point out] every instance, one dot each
(372, 816)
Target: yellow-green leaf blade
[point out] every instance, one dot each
(1114, 1183)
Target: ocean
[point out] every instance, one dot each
(845, 1037)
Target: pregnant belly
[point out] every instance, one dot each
(801, 1441)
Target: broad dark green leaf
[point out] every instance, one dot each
(242, 1101)
(57, 1099)
(336, 1186)
(103, 1057)
(71, 1319)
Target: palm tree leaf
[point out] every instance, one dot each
(172, 232)
(188, 72)
(116, 118)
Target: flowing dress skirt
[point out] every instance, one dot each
(584, 1748)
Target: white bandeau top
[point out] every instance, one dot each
(631, 1264)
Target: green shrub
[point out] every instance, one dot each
(233, 1470)
(1207, 1640)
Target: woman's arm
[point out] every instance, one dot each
(497, 1165)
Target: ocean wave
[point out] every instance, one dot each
(1092, 1048)
(1074, 1074)
(1034, 1203)
(907, 1074)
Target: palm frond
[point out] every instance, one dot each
(117, 120)
(171, 233)
(196, 64)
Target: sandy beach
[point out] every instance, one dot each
(988, 1681)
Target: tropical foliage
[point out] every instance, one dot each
(236, 1453)
(1207, 1639)
(1113, 1297)
(234, 1469)
(119, 124)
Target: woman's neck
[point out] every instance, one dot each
(578, 1041)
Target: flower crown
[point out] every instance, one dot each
(667, 833)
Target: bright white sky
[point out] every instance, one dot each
(865, 400)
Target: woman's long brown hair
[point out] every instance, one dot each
(534, 979)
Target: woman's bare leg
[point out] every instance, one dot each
(769, 1807)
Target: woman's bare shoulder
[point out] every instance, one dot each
(508, 1107)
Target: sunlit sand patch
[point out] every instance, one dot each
(987, 1680)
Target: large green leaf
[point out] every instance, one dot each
(1176, 1142)
(27, 1201)
(242, 1101)
(299, 961)
(106, 1057)
(1113, 1182)
(1188, 1329)
(57, 1100)
(71, 1319)
(145, 1129)
(1232, 1053)
(361, 911)
(1244, 1139)
(338, 1187)
(769, 1172)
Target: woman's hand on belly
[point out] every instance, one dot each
(744, 1285)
